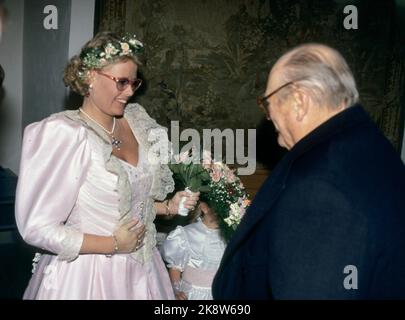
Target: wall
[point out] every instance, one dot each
(45, 55)
(81, 30)
(11, 57)
(34, 59)
(81, 24)
(211, 58)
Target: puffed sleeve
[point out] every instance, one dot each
(54, 160)
(175, 249)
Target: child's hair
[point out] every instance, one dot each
(226, 230)
(195, 214)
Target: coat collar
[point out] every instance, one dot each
(351, 117)
(275, 183)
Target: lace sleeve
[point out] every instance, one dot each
(71, 243)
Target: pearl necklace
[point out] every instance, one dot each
(114, 141)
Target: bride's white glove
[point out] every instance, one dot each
(183, 200)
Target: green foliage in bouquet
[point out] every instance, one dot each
(219, 187)
(190, 175)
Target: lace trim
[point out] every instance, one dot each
(71, 243)
(35, 261)
(144, 254)
(152, 136)
(157, 148)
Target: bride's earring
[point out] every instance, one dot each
(90, 88)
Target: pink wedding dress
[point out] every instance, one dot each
(65, 190)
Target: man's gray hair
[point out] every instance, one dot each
(322, 72)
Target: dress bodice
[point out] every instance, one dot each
(140, 178)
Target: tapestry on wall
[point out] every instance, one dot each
(206, 61)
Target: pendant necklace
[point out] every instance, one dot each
(114, 141)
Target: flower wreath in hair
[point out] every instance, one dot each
(219, 187)
(97, 58)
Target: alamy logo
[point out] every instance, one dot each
(240, 146)
(350, 282)
(351, 21)
(51, 20)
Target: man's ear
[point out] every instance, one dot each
(300, 104)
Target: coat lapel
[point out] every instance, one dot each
(265, 198)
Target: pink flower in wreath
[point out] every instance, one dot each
(110, 50)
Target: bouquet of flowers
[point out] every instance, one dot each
(189, 176)
(220, 188)
(227, 197)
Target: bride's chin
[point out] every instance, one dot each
(119, 110)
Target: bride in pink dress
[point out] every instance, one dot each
(91, 183)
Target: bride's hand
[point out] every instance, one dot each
(130, 236)
(190, 203)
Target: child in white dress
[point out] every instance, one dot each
(193, 253)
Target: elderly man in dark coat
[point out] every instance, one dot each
(329, 222)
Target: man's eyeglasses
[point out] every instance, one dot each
(263, 101)
(123, 83)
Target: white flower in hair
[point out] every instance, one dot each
(125, 48)
(110, 50)
(98, 57)
(136, 42)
